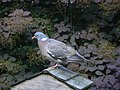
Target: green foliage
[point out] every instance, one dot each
(35, 58)
(12, 26)
(21, 52)
(94, 24)
(116, 32)
(106, 49)
(42, 24)
(9, 65)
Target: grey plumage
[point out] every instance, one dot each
(57, 51)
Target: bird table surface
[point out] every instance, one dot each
(71, 78)
(62, 73)
(42, 82)
(63, 79)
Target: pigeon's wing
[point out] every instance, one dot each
(59, 50)
(64, 53)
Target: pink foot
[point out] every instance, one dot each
(56, 65)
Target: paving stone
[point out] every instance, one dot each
(46, 81)
(79, 82)
(62, 73)
(42, 82)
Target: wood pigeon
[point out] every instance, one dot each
(57, 51)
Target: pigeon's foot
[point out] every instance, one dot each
(56, 65)
(53, 67)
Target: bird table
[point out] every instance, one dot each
(59, 78)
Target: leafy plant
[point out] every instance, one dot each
(12, 26)
(35, 58)
(106, 49)
(8, 64)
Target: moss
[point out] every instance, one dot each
(107, 49)
(34, 58)
(93, 28)
(9, 67)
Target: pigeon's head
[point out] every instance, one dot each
(40, 36)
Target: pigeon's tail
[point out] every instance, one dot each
(77, 58)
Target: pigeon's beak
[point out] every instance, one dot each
(33, 37)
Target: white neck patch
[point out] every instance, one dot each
(44, 39)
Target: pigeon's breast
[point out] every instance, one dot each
(43, 49)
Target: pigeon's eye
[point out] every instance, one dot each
(36, 35)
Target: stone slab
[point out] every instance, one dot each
(42, 82)
(62, 73)
(46, 81)
(79, 82)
